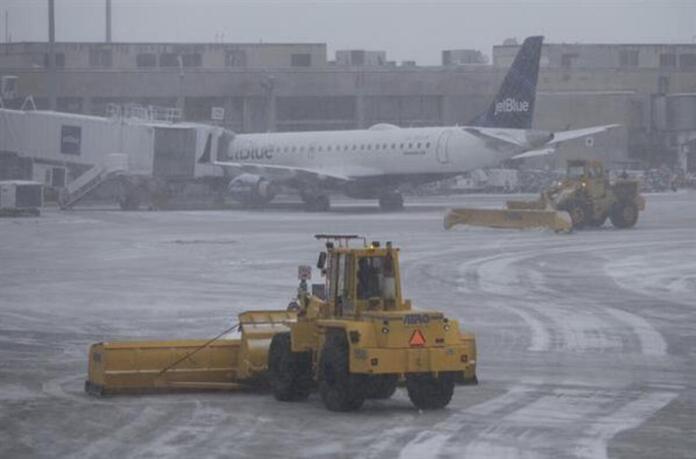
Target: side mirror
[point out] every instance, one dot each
(321, 262)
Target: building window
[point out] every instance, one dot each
(628, 58)
(169, 60)
(687, 61)
(668, 61)
(236, 58)
(100, 58)
(301, 60)
(146, 60)
(191, 60)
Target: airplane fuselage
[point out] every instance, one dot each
(381, 150)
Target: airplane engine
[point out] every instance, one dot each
(252, 190)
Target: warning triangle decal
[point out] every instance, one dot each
(417, 339)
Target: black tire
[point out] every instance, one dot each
(599, 221)
(289, 373)
(381, 387)
(391, 202)
(318, 203)
(624, 214)
(428, 392)
(579, 213)
(339, 389)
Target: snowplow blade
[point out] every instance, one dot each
(195, 364)
(132, 367)
(509, 218)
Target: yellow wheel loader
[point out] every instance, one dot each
(351, 337)
(585, 198)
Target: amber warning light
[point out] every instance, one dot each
(417, 339)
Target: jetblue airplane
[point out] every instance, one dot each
(373, 163)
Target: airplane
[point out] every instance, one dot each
(373, 163)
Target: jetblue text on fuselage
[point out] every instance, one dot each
(253, 153)
(511, 105)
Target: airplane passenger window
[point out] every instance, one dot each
(427, 145)
(353, 147)
(369, 147)
(319, 149)
(384, 146)
(418, 146)
(294, 149)
(328, 148)
(393, 146)
(377, 147)
(410, 145)
(401, 146)
(362, 147)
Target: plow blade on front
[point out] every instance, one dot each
(509, 218)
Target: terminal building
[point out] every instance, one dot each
(649, 89)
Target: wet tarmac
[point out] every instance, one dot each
(587, 341)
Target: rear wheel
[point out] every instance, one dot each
(428, 392)
(381, 386)
(339, 389)
(624, 214)
(289, 372)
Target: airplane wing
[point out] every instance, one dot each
(498, 137)
(563, 136)
(535, 153)
(283, 172)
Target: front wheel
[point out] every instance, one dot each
(624, 214)
(289, 372)
(428, 392)
(579, 215)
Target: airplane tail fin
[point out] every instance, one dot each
(513, 106)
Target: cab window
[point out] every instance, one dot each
(370, 277)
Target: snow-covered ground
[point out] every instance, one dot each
(587, 342)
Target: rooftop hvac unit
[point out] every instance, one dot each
(8, 87)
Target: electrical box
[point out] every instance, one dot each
(20, 197)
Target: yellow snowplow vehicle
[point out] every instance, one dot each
(584, 198)
(352, 337)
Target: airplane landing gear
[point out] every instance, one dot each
(391, 201)
(316, 202)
